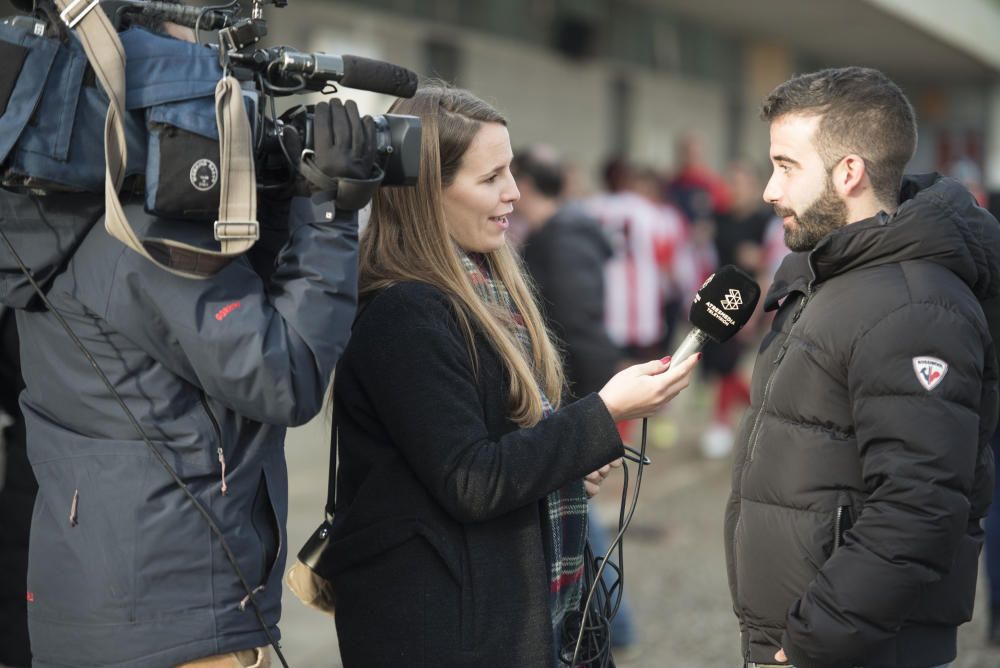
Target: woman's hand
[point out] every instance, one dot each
(642, 390)
(592, 482)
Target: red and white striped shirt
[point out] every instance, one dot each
(646, 239)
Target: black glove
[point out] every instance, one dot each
(344, 142)
(343, 158)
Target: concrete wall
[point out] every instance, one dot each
(665, 108)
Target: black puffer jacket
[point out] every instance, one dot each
(852, 533)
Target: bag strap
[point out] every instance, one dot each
(236, 229)
(331, 483)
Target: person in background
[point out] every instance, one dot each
(685, 262)
(564, 254)
(701, 194)
(643, 243)
(739, 240)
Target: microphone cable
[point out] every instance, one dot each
(216, 531)
(601, 603)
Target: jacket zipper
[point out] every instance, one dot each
(842, 525)
(836, 527)
(810, 290)
(754, 434)
(218, 439)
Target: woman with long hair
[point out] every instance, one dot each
(461, 513)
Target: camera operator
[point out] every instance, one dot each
(123, 569)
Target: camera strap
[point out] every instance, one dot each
(331, 478)
(351, 194)
(236, 228)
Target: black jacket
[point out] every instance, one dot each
(438, 528)
(566, 260)
(852, 533)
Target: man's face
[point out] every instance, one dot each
(800, 188)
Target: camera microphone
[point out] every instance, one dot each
(378, 76)
(721, 308)
(192, 17)
(352, 71)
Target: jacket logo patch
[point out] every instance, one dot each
(30, 597)
(226, 310)
(930, 371)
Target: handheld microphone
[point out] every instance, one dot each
(721, 308)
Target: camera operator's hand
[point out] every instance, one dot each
(344, 142)
(343, 157)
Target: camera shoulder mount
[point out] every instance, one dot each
(236, 225)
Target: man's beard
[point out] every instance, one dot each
(823, 216)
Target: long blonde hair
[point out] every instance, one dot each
(406, 240)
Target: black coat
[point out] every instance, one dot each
(566, 260)
(853, 530)
(438, 528)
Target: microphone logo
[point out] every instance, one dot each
(732, 301)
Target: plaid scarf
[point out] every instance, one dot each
(565, 522)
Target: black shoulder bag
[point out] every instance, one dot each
(309, 576)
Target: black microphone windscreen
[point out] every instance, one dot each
(378, 77)
(725, 302)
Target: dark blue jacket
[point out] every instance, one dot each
(129, 574)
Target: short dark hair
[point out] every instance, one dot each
(545, 172)
(617, 172)
(862, 112)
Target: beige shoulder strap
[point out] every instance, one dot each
(236, 229)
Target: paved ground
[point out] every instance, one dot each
(675, 568)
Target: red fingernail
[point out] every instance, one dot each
(665, 360)
(699, 356)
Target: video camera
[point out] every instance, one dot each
(67, 101)
(282, 71)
